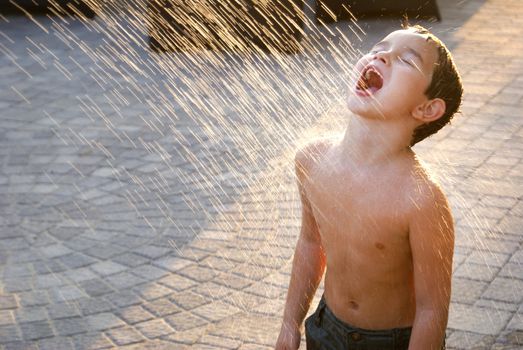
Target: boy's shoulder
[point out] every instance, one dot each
(425, 191)
(310, 153)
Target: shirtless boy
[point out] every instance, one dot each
(371, 214)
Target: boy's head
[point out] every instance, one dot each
(445, 84)
(410, 72)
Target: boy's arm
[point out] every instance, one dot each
(307, 267)
(431, 235)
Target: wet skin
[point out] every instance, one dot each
(362, 219)
(370, 214)
(367, 216)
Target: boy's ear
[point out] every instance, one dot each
(429, 110)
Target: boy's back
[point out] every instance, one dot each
(363, 215)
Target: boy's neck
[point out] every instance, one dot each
(371, 141)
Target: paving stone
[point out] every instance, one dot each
(250, 330)
(499, 201)
(467, 291)
(497, 244)
(251, 272)
(125, 336)
(89, 306)
(213, 290)
(22, 345)
(266, 290)
(8, 302)
(184, 321)
(31, 314)
(516, 322)
(152, 291)
(477, 320)
(14, 285)
(95, 287)
(36, 330)
(517, 257)
(103, 321)
(252, 346)
(152, 252)
(34, 298)
(162, 307)
(92, 341)
(122, 299)
(154, 328)
(246, 302)
(176, 282)
(511, 224)
(487, 258)
(68, 202)
(49, 280)
(514, 338)
(10, 333)
(55, 344)
(124, 280)
(50, 266)
(18, 271)
(189, 300)
(149, 272)
(66, 293)
(197, 273)
(497, 305)
(76, 260)
(215, 311)
(189, 337)
(172, 264)
(62, 310)
(469, 340)
(55, 250)
(505, 289)
(104, 252)
(70, 326)
(80, 243)
(80, 274)
(220, 342)
(195, 254)
(107, 268)
(6, 318)
(134, 314)
(130, 259)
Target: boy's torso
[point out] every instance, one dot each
(362, 215)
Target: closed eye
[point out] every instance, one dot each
(404, 60)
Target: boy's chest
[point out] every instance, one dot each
(369, 210)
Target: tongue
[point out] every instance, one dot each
(374, 81)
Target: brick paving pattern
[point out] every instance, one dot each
(135, 217)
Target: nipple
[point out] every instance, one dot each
(379, 245)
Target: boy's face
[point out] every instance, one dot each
(390, 80)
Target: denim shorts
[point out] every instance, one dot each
(323, 330)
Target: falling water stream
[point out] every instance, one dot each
(176, 167)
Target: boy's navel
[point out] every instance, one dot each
(354, 305)
(379, 245)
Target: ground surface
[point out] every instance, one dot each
(148, 200)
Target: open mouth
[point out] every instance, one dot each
(370, 81)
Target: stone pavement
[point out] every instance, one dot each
(148, 201)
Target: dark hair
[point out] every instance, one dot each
(445, 84)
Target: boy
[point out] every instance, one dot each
(372, 215)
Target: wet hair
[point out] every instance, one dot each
(445, 84)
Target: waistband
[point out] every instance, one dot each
(350, 329)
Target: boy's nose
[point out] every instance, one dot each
(382, 56)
